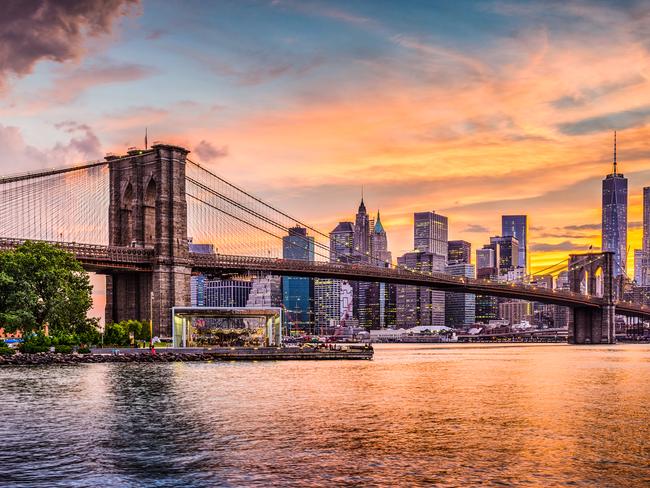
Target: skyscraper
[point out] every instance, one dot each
(298, 292)
(614, 222)
(362, 291)
(419, 305)
(379, 244)
(460, 308)
(341, 242)
(459, 252)
(506, 251)
(361, 237)
(485, 258)
(517, 226)
(430, 233)
(487, 307)
(327, 291)
(643, 271)
(381, 296)
(640, 261)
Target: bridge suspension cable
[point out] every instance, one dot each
(67, 204)
(245, 210)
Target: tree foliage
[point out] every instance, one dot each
(41, 284)
(119, 334)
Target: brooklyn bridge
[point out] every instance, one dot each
(132, 217)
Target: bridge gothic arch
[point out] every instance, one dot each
(126, 214)
(592, 274)
(149, 213)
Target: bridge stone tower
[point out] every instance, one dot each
(148, 209)
(592, 325)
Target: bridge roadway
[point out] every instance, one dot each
(220, 264)
(104, 259)
(97, 258)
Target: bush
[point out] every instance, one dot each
(32, 348)
(83, 350)
(63, 349)
(6, 351)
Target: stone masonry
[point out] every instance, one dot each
(148, 208)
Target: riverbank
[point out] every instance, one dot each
(215, 354)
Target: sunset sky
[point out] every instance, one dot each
(472, 109)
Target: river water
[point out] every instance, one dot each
(417, 415)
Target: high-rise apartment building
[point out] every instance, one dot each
(298, 292)
(459, 252)
(430, 233)
(517, 226)
(614, 218)
(327, 303)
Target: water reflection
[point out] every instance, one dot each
(417, 415)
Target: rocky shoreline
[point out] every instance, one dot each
(248, 354)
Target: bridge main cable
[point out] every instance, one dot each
(49, 172)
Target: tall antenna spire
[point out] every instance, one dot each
(146, 143)
(614, 153)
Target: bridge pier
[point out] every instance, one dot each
(148, 209)
(592, 326)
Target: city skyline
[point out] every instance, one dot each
(527, 131)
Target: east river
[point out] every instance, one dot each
(417, 415)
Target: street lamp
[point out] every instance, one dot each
(151, 320)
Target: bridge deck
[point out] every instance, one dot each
(100, 259)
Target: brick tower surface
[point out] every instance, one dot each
(148, 208)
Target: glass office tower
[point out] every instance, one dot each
(614, 223)
(517, 226)
(298, 292)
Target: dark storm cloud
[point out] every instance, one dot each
(208, 152)
(31, 30)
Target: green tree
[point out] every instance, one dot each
(41, 284)
(119, 334)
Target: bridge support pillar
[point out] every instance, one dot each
(171, 288)
(148, 209)
(592, 326)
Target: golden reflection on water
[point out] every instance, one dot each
(542, 415)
